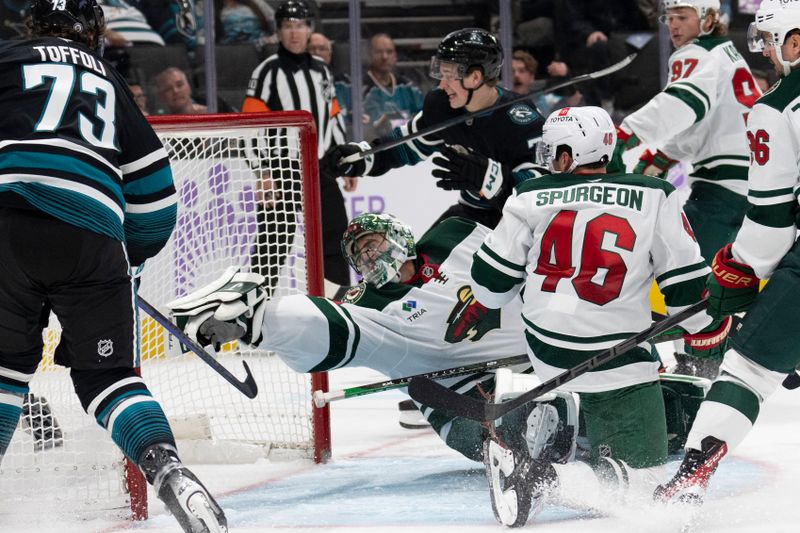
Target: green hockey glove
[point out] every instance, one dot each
(710, 342)
(732, 287)
(654, 164)
(625, 141)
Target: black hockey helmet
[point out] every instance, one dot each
(78, 20)
(292, 9)
(467, 48)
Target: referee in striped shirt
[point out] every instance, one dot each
(293, 79)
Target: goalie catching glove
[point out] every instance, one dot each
(332, 167)
(229, 308)
(732, 286)
(458, 169)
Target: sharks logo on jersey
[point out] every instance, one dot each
(469, 320)
(522, 114)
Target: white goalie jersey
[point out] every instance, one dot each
(700, 116)
(587, 248)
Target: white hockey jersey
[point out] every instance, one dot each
(587, 248)
(431, 323)
(769, 229)
(700, 116)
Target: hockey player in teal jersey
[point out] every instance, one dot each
(86, 196)
(483, 158)
(766, 345)
(699, 118)
(585, 246)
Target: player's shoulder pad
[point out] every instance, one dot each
(782, 93)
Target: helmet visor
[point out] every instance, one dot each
(757, 40)
(446, 70)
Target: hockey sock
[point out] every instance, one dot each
(120, 402)
(10, 410)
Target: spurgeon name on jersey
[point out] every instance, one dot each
(586, 249)
(71, 136)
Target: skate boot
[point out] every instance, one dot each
(411, 417)
(518, 485)
(690, 482)
(182, 493)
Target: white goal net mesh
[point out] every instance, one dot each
(241, 193)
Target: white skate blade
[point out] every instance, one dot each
(505, 502)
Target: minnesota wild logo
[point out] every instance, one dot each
(469, 320)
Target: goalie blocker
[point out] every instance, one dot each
(229, 308)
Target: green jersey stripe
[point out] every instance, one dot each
(773, 216)
(735, 396)
(577, 340)
(697, 267)
(567, 358)
(689, 99)
(338, 334)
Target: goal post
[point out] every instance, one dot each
(248, 196)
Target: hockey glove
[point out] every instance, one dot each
(732, 287)
(625, 141)
(654, 164)
(710, 342)
(332, 167)
(229, 308)
(469, 171)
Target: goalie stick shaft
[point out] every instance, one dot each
(322, 398)
(248, 386)
(435, 128)
(437, 396)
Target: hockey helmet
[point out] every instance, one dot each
(700, 6)
(467, 48)
(79, 20)
(588, 131)
(293, 10)
(774, 20)
(378, 260)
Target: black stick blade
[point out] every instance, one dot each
(436, 396)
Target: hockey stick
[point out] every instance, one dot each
(321, 398)
(432, 394)
(248, 386)
(435, 128)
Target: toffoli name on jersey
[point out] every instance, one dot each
(598, 194)
(67, 54)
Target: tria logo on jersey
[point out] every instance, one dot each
(469, 319)
(411, 305)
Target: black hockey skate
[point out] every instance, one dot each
(690, 482)
(518, 485)
(183, 494)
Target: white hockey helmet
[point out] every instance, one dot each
(700, 6)
(774, 20)
(588, 132)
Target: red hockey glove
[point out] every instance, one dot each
(732, 287)
(625, 141)
(654, 164)
(710, 342)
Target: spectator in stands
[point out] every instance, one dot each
(12, 19)
(175, 92)
(245, 21)
(523, 69)
(319, 45)
(390, 99)
(591, 40)
(177, 21)
(294, 79)
(139, 97)
(126, 25)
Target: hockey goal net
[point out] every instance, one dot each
(248, 196)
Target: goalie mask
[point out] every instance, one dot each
(78, 20)
(775, 19)
(588, 132)
(376, 245)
